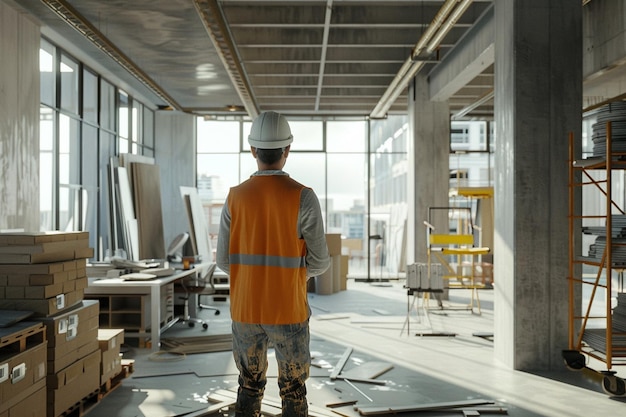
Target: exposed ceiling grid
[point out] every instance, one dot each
(326, 58)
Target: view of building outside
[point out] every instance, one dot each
(332, 158)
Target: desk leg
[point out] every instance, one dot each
(155, 314)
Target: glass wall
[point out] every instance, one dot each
(331, 157)
(357, 168)
(386, 222)
(81, 128)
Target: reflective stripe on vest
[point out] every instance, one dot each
(267, 260)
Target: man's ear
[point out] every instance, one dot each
(286, 152)
(253, 150)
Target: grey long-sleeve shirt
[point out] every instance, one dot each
(310, 228)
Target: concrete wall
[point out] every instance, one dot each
(19, 120)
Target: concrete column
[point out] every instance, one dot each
(429, 156)
(538, 100)
(19, 120)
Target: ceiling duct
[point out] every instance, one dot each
(445, 19)
(481, 100)
(73, 18)
(215, 24)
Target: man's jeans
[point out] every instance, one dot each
(291, 344)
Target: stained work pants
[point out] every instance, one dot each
(291, 346)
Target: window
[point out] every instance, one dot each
(47, 71)
(90, 97)
(76, 145)
(331, 157)
(69, 84)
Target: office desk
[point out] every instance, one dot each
(150, 288)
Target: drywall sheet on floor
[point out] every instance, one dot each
(147, 188)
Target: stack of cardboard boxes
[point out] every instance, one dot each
(45, 273)
(335, 277)
(23, 370)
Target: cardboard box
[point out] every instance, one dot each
(45, 307)
(45, 247)
(21, 374)
(333, 240)
(58, 277)
(34, 238)
(110, 341)
(46, 268)
(58, 363)
(66, 327)
(71, 334)
(74, 383)
(32, 406)
(324, 283)
(343, 272)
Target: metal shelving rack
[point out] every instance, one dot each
(605, 344)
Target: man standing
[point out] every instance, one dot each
(271, 240)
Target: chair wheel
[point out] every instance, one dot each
(205, 326)
(574, 360)
(217, 312)
(614, 385)
(191, 324)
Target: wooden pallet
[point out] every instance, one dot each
(83, 405)
(21, 336)
(80, 408)
(116, 381)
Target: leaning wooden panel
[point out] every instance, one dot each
(148, 207)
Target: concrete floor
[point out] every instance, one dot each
(370, 318)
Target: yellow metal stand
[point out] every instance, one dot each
(457, 254)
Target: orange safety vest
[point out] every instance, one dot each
(268, 283)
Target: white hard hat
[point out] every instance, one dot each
(270, 130)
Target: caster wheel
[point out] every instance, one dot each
(614, 386)
(217, 312)
(574, 360)
(191, 324)
(205, 326)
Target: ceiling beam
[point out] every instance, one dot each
(77, 21)
(215, 24)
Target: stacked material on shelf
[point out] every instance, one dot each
(619, 313)
(596, 338)
(618, 252)
(615, 113)
(618, 227)
(618, 234)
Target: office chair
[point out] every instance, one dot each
(192, 285)
(209, 289)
